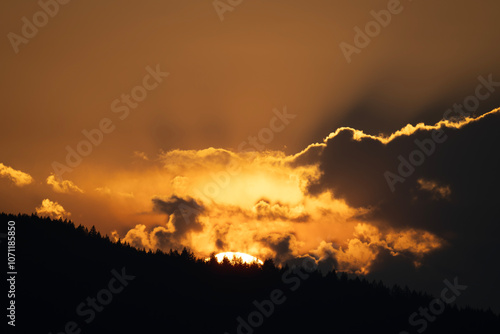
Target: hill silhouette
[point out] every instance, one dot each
(74, 280)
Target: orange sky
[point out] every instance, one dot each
(218, 200)
(164, 102)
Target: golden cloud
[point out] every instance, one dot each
(408, 130)
(109, 192)
(52, 209)
(257, 203)
(253, 202)
(64, 186)
(362, 250)
(16, 176)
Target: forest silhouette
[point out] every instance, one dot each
(62, 266)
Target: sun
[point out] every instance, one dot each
(246, 258)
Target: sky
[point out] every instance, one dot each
(362, 135)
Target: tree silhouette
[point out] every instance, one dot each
(61, 265)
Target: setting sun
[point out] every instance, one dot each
(246, 258)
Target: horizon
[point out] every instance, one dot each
(361, 137)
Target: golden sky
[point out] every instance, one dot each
(172, 124)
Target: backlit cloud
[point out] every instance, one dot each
(52, 209)
(438, 191)
(16, 176)
(368, 241)
(62, 186)
(329, 203)
(109, 192)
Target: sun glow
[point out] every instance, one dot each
(246, 258)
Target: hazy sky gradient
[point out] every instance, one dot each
(226, 77)
(228, 80)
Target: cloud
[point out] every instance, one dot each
(137, 237)
(141, 155)
(441, 215)
(353, 165)
(439, 192)
(115, 235)
(321, 226)
(368, 241)
(103, 190)
(64, 186)
(52, 209)
(182, 213)
(182, 219)
(281, 244)
(416, 242)
(325, 257)
(212, 158)
(180, 184)
(235, 178)
(265, 210)
(107, 191)
(330, 203)
(220, 244)
(16, 176)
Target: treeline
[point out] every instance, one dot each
(75, 280)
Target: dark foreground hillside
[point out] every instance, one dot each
(71, 280)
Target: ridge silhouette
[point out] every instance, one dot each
(60, 265)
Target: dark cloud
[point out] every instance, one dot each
(281, 245)
(451, 193)
(220, 244)
(165, 240)
(377, 110)
(325, 258)
(183, 213)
